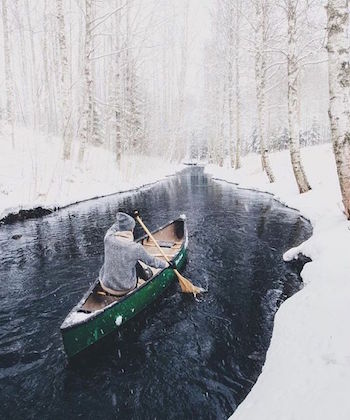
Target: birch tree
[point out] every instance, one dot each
(24, 70)
(65, 81)
(210, 96)
(8, 72)
(36, 107)
(237, 84)
(261, 10)
(133, 125)
(55, 81)
(86, 118)
(230, 33)
(115, 87)
(182, 86)
(219, 85)
(49, 86)
(231, 57)
(293, 98)
(339, 92)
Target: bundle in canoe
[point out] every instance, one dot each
(98, 314)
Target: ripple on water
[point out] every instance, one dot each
(180, 358)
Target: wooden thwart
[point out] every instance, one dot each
(186, 285)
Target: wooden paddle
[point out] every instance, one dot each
(186, 285)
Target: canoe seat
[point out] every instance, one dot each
(166, 244)
(98, 300)
(170, 248)
(167, 240)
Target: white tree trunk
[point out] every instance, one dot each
(293, 103)
(8, 73)
(237, 86)
(114, 89)
(231, 82)
(65, 82)
(221, 133)
(24, 70)
(118, 89)
(181, 139)
(260, 80)
(86, 118)
(127, 92)
(33, 70)
(339, 92)
(48, 85)
(53, 52)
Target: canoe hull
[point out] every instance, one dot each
(78, 337)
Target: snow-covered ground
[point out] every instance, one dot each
(306, 375)
(33, 174)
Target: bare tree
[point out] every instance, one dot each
(339, 91)
(261, 10)
(115, 87)
(220, 85)
(36, 107)
(86, 118)
(48, 97)
(231, 57)
(237, 84)
(182, 86)
(65, 82)
(8, 73)
(293, 98)
(230, 33)
(24, 70)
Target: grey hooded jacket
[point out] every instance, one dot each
(120, 257)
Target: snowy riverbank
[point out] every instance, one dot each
(307, 370)
(33, 174)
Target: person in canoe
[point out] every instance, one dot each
(121, 268)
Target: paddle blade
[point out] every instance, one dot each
(187, 286)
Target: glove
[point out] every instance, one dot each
(172, 265)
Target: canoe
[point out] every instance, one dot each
(97, 314)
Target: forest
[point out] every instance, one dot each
(223, 128)
(146, 78)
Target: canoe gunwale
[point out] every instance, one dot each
(180, 218)
(97, 313)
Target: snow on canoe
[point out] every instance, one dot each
(98, 314)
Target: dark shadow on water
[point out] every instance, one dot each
(180, 358)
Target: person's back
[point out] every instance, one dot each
(121, 256)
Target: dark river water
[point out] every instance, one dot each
(181, 358)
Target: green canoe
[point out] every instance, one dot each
(98, 314)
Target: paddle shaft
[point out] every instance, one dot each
(138, 218)
(186, 285)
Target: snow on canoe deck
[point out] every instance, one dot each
(97, 315)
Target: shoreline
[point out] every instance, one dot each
(22, 214)
(264, 192)
(42, 182)
(309, 352)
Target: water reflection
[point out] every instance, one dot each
(178, 359)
